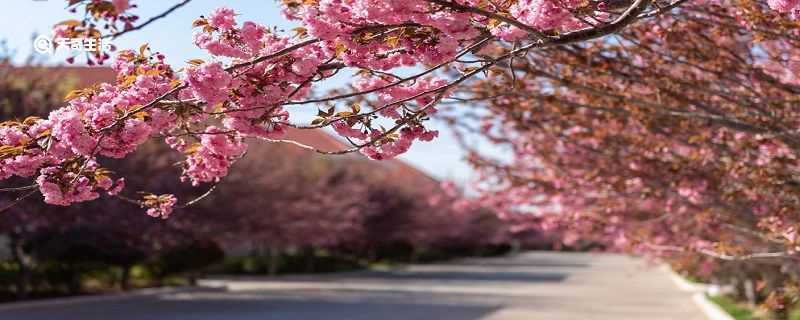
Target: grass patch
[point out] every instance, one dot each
(735, 309)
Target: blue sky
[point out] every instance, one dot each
(21, 19)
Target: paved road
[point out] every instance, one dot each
(537, 285)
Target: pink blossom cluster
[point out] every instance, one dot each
(121, 5)
(24, 163)
(786, 6)
(112, 121)
(160, 206)
(387, 104)
(547, 15)
(399, 145)
(252, 100)
(254, 108)
(335, 19)
(673, 196)
(337, 22)
(209, 82)
(63, 188)
(209, 160)
(388, 97)
(106, 121)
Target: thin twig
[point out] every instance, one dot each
(15, 189)
(149, 21)
(18, 200)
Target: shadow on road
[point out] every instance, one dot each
(262, 306)
(538, 263)
(510, 276)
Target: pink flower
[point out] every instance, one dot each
(209, 82)
(64, 188)
(210, 160)
(223, 18)
(61, 31)
(783, 5)
(217, 47)
(253, 34)
(121, 5)
(429, 135)
(70, 130)
(117, 188)
(160, 206)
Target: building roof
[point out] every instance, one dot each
(83, 76)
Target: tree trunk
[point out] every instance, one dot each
(74, 285)
(274, 260)
(414, 256)
(158, 278)
(372, 254)
(158, 281)
(772, 281)
(515, 247)
(310, 259)
(750, 292)
(478, 251)
(23, 261)
(125, 278)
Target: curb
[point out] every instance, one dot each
(700, 296)
(91, 298)
(711, 309)
(684, 284)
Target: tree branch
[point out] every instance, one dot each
(149, 21)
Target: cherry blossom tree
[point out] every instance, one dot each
(664, 126)
(676, 136)
(207, 110)
(298, 202)
(101, 234)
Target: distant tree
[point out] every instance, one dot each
(676, 136)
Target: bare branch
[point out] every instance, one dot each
(149, 21)
(463, 8)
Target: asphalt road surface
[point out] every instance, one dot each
(535, 285)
